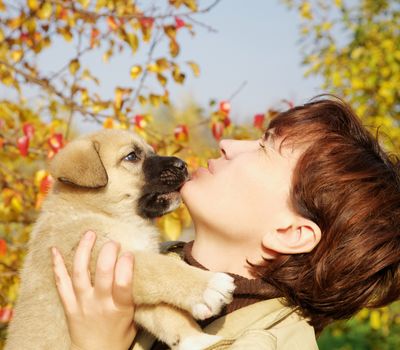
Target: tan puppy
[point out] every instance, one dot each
(111, 182)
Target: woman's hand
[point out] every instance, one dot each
(99, 316)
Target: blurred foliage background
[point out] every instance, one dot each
(353, 45)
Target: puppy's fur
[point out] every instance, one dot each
(111, 182)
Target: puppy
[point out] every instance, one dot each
(113, 183)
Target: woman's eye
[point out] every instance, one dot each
(132, 157)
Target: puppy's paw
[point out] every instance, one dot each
(218, 293)
(198, 342)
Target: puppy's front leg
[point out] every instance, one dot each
(163, 279)
(174, 327)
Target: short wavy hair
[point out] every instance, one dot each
(347, 184)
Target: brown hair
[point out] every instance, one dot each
(350, 188)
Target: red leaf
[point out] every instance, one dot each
(179, 23)
(181, 132)
(259, 120)
(63, 14)
(93, 37)
(45, 184)
(217, 129)
(6, 314)
(227, 122)
(139, 121)
(3, 247)
(289, 103)
(24, 37)
(23, 145)
(112, 24)
(56, 142)
(146, 22)
(225, 107)
(28, 130)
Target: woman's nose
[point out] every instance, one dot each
(231, 148)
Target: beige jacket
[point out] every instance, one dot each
(266, 325)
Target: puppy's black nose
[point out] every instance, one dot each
(179, 163)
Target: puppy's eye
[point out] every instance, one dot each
(132, 157)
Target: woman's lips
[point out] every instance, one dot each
(201, 170)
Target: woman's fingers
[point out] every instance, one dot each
(122, 288)
(63, 282)
(80, 269)
(105, 269)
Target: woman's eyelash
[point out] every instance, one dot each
(262, 145)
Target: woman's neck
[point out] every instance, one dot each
(218, 253)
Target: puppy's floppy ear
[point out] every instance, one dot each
(79, 163)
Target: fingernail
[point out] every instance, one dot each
(89, 235)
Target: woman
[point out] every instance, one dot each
(306, 220)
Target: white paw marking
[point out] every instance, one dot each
(198, 342)
(218, 293)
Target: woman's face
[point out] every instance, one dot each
(245, 191)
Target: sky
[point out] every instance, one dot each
(256, 41)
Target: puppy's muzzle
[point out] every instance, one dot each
(164, 176)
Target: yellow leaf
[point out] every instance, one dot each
(146, 32)
(107, 55)
(33, 4)
(305, 10)
(45, 11)
(16, 55)
(85, 97)
(173, 48)
(153, 67)
(133, 41)
(336, 79)
(84, 3)
(66, 33)
(39, 176)
(155, 100)
(326, 26)
(176, 3)
(136, 71)
(357, 83)
(162, 79)
(16, 204)
(165, 98)
(191, 4)
(74, 66)
(142, 100)
(162, 63)
(100, 4)
(177, 75)
(375, 320)
(184, 216)
(338, 3)
(195, 68)
(2, 7)
(108, 123)
(172, 227)
(357, 52)
(170, 31)
(118, 98)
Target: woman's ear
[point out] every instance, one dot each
(301, 236)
